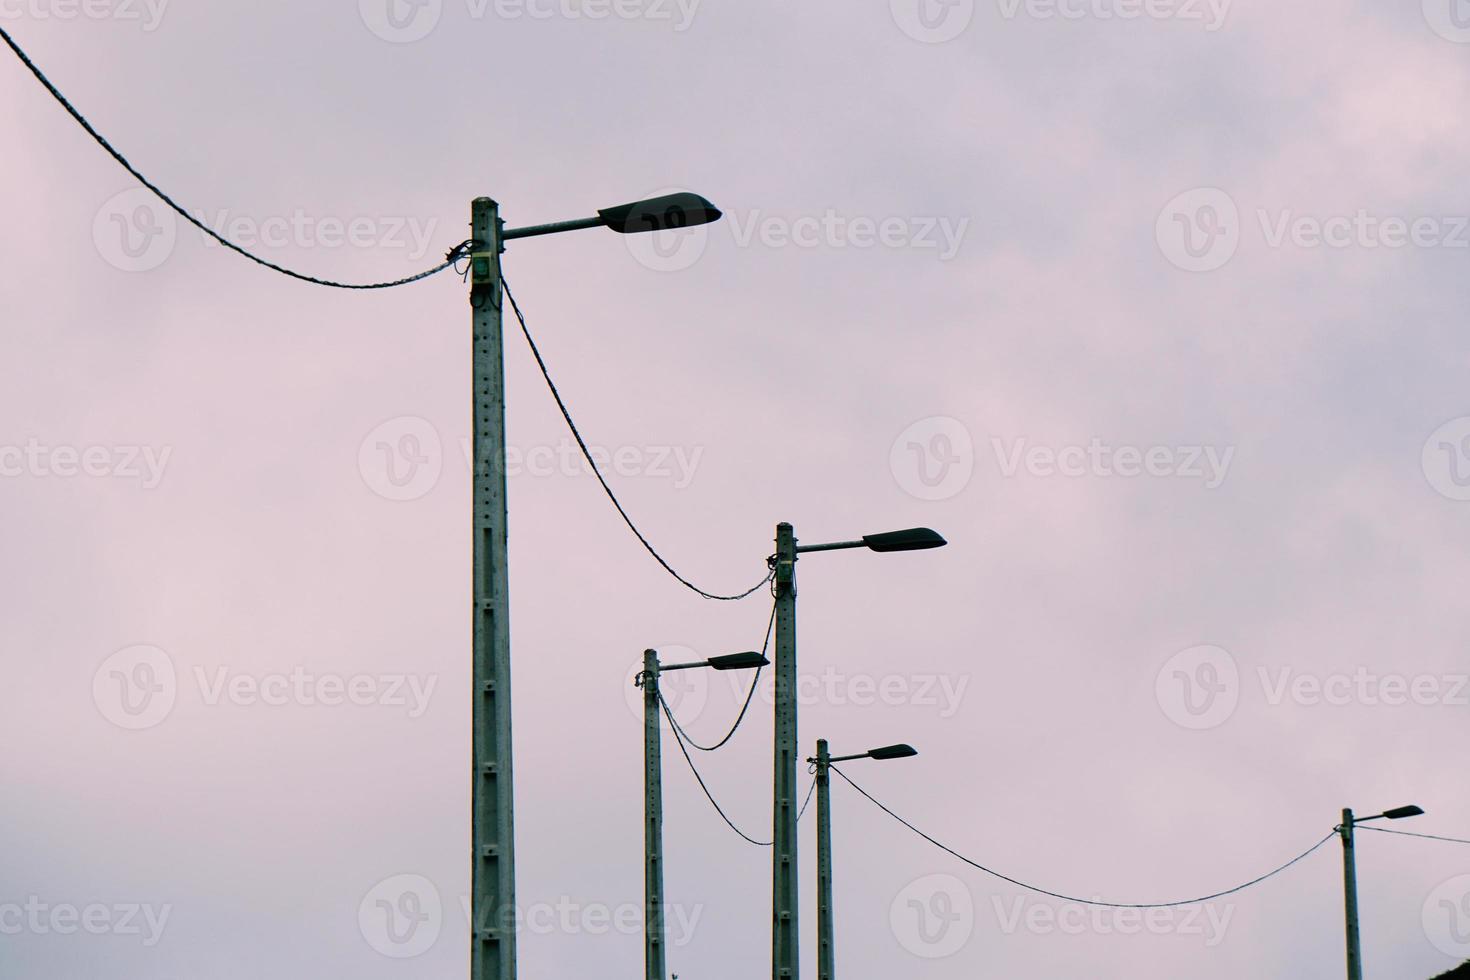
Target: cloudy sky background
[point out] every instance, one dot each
(1118, 188)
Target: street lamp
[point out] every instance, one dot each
(653, 797)
(823, 762)
(1350, 880)
(492, 876)
(785, 964)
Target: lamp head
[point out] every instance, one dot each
(738, 661)
(660, 214)
(913, 539)
(893, 752)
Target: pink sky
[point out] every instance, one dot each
(1159, 319)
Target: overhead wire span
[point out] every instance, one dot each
(1071, 898)
(1410, 833)
(597, 470)
(749, 696)
(700, 779)
(454, 254)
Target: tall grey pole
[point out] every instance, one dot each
(825, 952)
(1350, 897)
(653, 839)
(492, 878)
(785, 964)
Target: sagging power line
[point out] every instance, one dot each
(452, 256)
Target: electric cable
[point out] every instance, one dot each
(1069, 898)
(597, 471)
(454, 254)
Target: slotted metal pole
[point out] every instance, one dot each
(1350, 898)
(825, 953)
(492, 886)
(784, 953)
(653, 811)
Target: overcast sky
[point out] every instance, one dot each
(1154, 308)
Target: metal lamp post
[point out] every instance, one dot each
(653, 799)
(1350, 880)
(493, 939)
(785, 964)
(826, 956)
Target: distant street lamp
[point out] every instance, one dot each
(826, 955)
(1350, 880)
(492, 875)
(653, 797)
(785, 962)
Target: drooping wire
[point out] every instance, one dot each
(1408, 833)
(749, 696)
(1069, 898)
(597, 471)
(449, 259)
(700, 779)
(809, 790)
